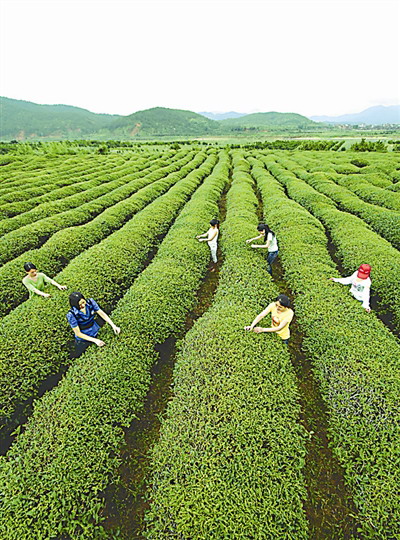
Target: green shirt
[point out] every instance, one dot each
(31, 285)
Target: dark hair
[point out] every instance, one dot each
(214, 222)
(266, 229)
(29, 266)
(283, 300)
(74, 299)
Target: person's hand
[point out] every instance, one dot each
(99, 343)
(248, 241)
(331, 279)
(258, 329)
(117, 329)
(198, 237)
(247, 328)
(368, 309)
(46, 295)
(62, 287)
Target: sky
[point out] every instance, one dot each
(312, 57)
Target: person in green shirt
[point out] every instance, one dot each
(35, 281)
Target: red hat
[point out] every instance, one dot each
(364, 271)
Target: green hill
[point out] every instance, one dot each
(25, 120)
(160, 121)
(268, 120)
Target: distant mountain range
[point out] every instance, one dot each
(222, 116)
(372, 116)
(160, 121)
(271, 119)
(24, 120)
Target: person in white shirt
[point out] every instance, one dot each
(211, 236)
(360, 284)
(271, 243)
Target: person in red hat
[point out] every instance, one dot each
(360, 284)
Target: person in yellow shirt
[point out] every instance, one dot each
(281, 317)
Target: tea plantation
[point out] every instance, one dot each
(249, 437)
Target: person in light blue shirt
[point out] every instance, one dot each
(82, 319)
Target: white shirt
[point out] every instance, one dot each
(273, 242)
(211, 232)
(359, 289)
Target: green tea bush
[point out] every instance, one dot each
(356, 248)
(95, 189)
(57, 174)
(36, 234)
(229, 459)
(378, 172)
(33, 184)
(354, 357)
(103, 272)
(366, 186)
(383, 221)
(76, 430)
(369, 192)
(66, 244)
(81, 184)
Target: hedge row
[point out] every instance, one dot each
(383, 221)
(66, 244)
(361, 246)
(95, 188)
(78, 184)
(31, 336)
(37, 183)
(25, 169)
(366, 166)
(60, 173)
(69, 197)
(379, 173)
(354, 357)
(75, 432)
(229, 459)
(359, 184)
(35, 234)
(103, 172)
(63, 167)
(395, 187)
(384, 166)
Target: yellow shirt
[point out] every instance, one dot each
(278, 318)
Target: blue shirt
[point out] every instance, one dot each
(76, 318)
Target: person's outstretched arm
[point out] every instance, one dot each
(263, 246)
(278, 328)
(255, 238)
(106, 318)
(344, 281)
(79, 334)
(259, 317)
(54, 282)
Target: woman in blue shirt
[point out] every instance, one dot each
(81, 318)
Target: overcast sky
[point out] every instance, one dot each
(312, 57)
